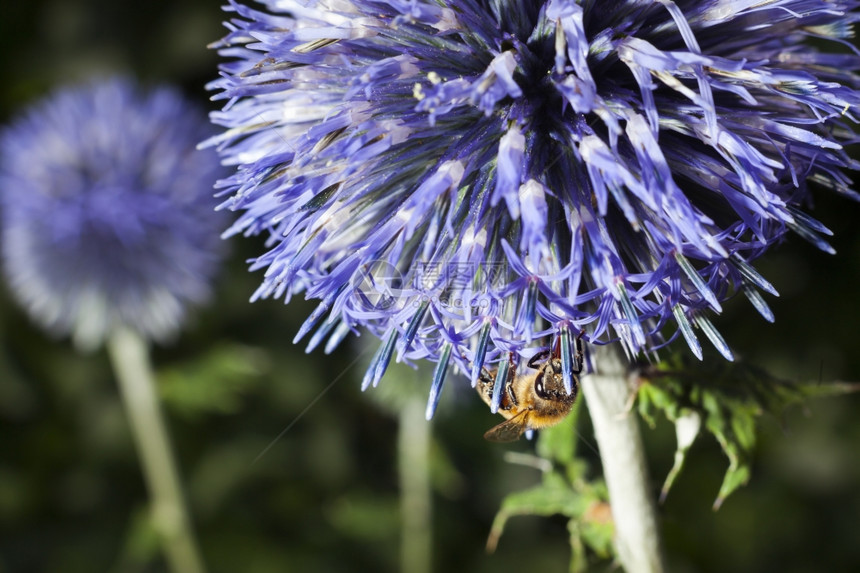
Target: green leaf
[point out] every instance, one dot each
(578, 560)
(726, 398)
(558, 443)
(593, 530)
(553, 496)
(212, 382)
(687, 428)
(590, 524)
(364, 516)
(598, 529)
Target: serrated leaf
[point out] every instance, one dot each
(727, 397)
(590, 524)
(734, 429)
(551, 497)
(687, 427)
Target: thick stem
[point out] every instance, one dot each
(607, 393)
(130, 359)
(413, 445)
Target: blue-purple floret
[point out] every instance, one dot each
(108, 214)
(530, 169)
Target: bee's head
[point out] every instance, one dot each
(549, 384)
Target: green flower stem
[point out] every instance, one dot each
(413, 444)
(607, 393)
(130, 358)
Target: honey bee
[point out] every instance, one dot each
(534, 400)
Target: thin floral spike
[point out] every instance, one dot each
(438, 381)
(694, 276)
(480, 353)
(809, 222)
(753, 275)
(809, 234)
(687, 330)
(312, 320)
(759, 303)
(412, 328)
(379, 362)
(670, 145)
(566, 357)
(336, 337)
(632, 318)
(715, 337)
(322, 332)
(384, 358)
(371, 370)
(499, 385)
(529, 311)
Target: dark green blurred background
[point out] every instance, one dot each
(325, 496)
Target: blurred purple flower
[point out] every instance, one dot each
(107, 210)
(472, 178)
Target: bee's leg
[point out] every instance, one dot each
(509, 384)
(540, 356)
(579, 357)
(486, 377)
(509, 390)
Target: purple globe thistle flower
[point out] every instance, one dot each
(107, 210)
(472, 179)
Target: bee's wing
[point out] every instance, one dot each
(509, 430)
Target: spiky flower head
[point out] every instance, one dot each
(107, 210)
(472, 179)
